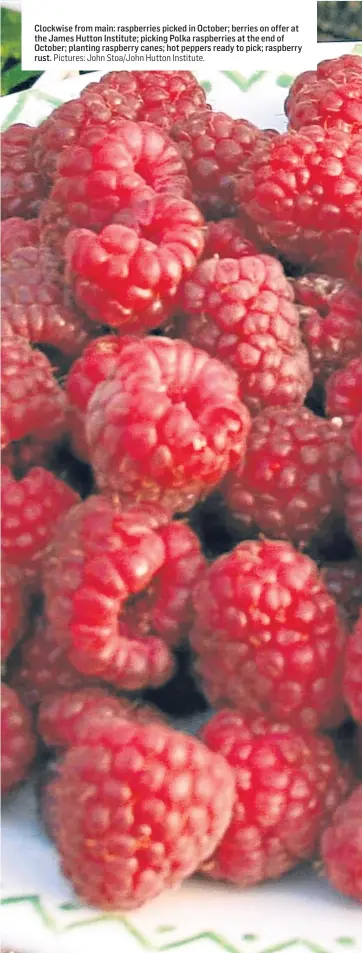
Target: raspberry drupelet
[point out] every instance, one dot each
(268, 635)
(301, 191)
(13, 605)
(342, 847)
(33, 403)
(22, 187)
(18, 740)
(243, 313)
(330, 96)
(352, 480)
(43, 667)
(118, 591)
(137, 809)
(330, 310)
(344, 392)
(287, 786)
(164, 97)
(353, 671)
(289, 485)
(344, 582)
(67, 718)
(167, 426)
(129, 275)
(17, 233)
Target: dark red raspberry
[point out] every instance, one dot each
(342, 847)
(268, 635)
(165, 97)
(301, 191)
(67, 718)
(331, 316)
(22, 187)
(101, 176)
(344, 392)
(17, 740)
(287, 786)
(33, 404)
(228, 238)
(97, 106)
(215, 148)
(288, 486)
(242, 312)
(43, 667)
(128, 277)
(344, 582)
(12, 608)
(138, 809)
(353, 671)
(167, 426)
(330, 96)
(17, 233)
(97, 363)
(352, 480)
(30, 510)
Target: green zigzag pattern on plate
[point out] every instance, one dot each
(219, 941)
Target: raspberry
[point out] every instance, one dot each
(30, 510)
(167, 426)
(22, 188)
(12, 608)
(138, 809)
(228, 239)
(215, 148)
(165, 96)
(43, 667)
(353, 671)
(101, 176)
(287, 786)
(342, 847)
(29, 452)
(330, 96)
(268, 635)
(102, 563)
(96, 364)
(18, 740)
(33, 404)
(301, 191)
(288, 485)
(128, 277)
(67, 718)
(242, 312)
(352, 479)
(331, 315)
(344, 392)
(344, 582)
(17, 233)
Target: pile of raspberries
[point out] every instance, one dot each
(182, 483)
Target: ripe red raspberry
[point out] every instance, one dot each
(30, 510)
(330, 96)
(104, 173)
(17, 740)
(288, 486)
(165, 97)
(138, 809)
(12, 608)
(301, 192)
(228, 238)
(287, 785)
(104, 584)
(342, 847)
(43, 667)
(17, 233)
(97, 106)
(344, 582)
(167, 426)
(128, 277)
(68, 718)
(33, 404)
(344, 392)
(97, 363)
(352, 480)
(331, 315)
(353, 671)
(242, 312)
(268, 635)
(215, 148)
(22, 188)
(34, 305)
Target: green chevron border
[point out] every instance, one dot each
(218, 940)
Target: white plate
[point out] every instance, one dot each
(40, 913)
